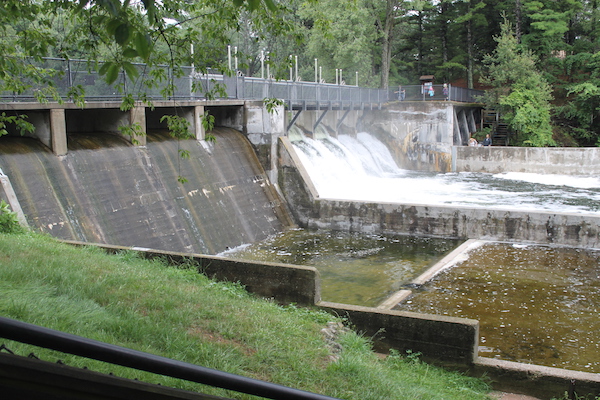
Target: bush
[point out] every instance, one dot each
(9, 223)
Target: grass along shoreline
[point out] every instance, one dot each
(178, 313)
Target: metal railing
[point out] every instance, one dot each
(421, 93)
(67, 343)
(188, 84)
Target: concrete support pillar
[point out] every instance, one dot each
(472, 122)
(137, 115)
(58, 131)
(197, 126)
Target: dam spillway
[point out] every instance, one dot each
(362, 168)
(106, 190)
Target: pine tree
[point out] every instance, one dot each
(519, 91)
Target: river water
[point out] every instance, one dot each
(535, 304)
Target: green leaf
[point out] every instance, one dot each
(130, 53)
(109, 5)
(104, 68)
(150, 10)
(112, 25)
(142, 45)
(130, 70)
(270, 5)
(112, 73)
(122, 33)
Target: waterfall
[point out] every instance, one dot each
(362, 168)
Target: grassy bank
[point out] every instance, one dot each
(180, 314)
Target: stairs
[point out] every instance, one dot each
(500, 134)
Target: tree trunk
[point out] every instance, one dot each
(386, 48)
(518, 22)
(444, 37)
(469, 55)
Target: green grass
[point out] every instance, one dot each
(181, 314)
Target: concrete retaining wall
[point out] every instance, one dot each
(282, 282)
(546, 160)
(438, 338)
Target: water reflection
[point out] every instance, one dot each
(355, 268)
(535, 304)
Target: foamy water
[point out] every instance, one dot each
(363, 169)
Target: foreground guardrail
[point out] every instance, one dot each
(72, 344)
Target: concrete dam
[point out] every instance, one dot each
(106, 190)
(77, 178)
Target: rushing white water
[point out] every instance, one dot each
(363, 169)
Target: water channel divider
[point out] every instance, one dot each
(455, 256)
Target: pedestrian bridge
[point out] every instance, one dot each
(238, 102)
(190, 85)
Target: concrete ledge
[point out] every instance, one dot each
(568, 229)
(448, 340)
(546, 160)
(283, 282)
(535, 380)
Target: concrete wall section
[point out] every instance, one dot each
(466, 223)
(438, 338)
(420, 134)
(547, 160)
(281, 282)
(263, 128)
(535, 380)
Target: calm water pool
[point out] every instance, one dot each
(357, 269)
(535, 304)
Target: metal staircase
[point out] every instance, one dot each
(500, 134)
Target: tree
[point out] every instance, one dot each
(519, 91)
(114, 35)
(343, 35)
(119, 33)
(472, 19)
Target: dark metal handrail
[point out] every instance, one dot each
(72, 344)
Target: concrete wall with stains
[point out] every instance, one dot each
(420, 135)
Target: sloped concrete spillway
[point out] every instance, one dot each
(106, 190)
